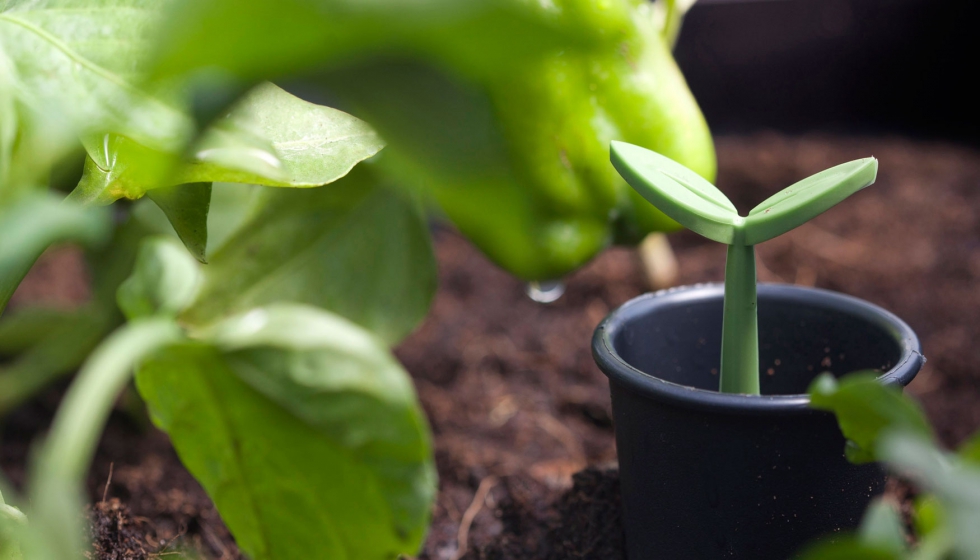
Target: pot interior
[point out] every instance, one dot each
(799, 338)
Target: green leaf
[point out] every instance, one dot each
(970, 449)
(12, 524)
(31, 225)
(866, 410)
(929, 517)
(303, 429)
(306, 145)
(49, 343)
(262, 39)
(847, 548)
(882, 527)
(269, 137)
(75, 63)
(186, 207)
(956, 484)
(802, 201)
(678, 192)
(164, 282)
(359, 249)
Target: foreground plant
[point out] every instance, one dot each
(269, 367)
(699, 206)
(884, 425)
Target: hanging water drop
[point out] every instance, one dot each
(545, 292)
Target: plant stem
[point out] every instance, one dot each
(740, 329)
(59, 468)
(86, 406)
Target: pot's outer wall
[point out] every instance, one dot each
(707, 475)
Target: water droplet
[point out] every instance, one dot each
(545, 292)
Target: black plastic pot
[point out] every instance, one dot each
(708, 475)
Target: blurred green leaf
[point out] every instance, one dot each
(303, 429)
(882, 527)
(71, 65)
(848, 548)
(35, 222)
(186, 208)
(970, 449)
(262, 39)
(865, 410)
(928, 515)
(956, 484)
(518, 159)
(359, 249)
(22, 328)
(12, 525)
(164, 281)
(49, 344)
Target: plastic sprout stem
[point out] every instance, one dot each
(698, 205)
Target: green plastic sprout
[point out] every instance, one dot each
(699, 206)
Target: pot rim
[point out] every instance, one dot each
(618, 370)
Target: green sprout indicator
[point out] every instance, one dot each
(699, 206)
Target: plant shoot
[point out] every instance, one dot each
(686, 197)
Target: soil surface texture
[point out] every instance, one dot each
(520, 414)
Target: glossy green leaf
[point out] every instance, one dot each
(359, 249)
(866, 410)
(802, 201)
(308, 145)
(186, 207)
(303, 429)
(269, 137)
(164, 282)
(34, 223)
(677, 191)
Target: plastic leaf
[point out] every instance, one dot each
(303, 429)
(677, 191)
(806, 199)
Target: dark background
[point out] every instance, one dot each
(858, 66)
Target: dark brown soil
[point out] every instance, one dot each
(515, 401)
